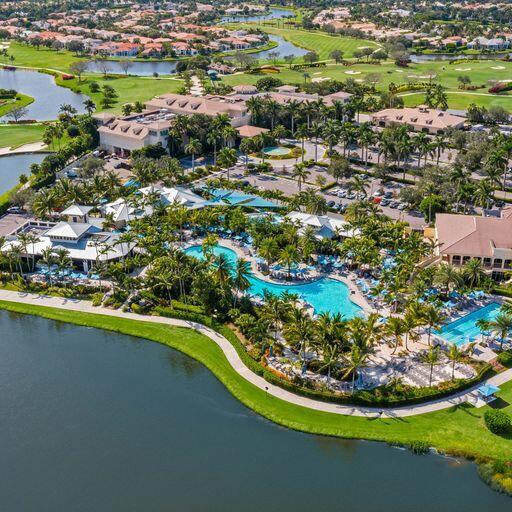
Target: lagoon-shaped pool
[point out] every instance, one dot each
(325, 295)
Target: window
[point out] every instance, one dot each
(164, 132)
(152, 133)
(456, 260)
(498, 262)
(507, 264)
(465, 259)
(487, 262)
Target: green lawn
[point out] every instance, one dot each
(458, 430)
(129, 89)
(30, 56)
(21, 100)
(17, 135)
(445, 74)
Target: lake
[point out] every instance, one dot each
(42, 87)
(275, 13)
(93, 420)
(13, 166)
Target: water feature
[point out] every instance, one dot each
(13, 166)
(94, 420)
(325, 295)
(283, 47)
(274, 13)
(276, 151)
(48, 96)
(465, 329)
(139, 68)
(429, 57)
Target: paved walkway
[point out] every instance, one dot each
(237, 364)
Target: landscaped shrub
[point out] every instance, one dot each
(505, 358)
(419, 447)
(498, 422)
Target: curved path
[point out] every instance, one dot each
(237, 364)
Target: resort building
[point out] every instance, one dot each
(121, 135)
(419, 119)
(182, 104)
(85, 242)
(460, 238)
(325, 226)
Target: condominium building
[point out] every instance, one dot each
(460, 238)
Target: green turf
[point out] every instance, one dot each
(30, 56)
(21, 100)
(129, 89)
(14, 136)
(458, 430)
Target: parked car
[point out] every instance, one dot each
(384, 202)
(402, 206)
(330, 204)
(15, 209)
(342, 193)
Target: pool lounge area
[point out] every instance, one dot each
(325, 294)
(465, 330)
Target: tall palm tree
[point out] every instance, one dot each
(300, 173)
(193, 148)
(395, 329)
(501, 326)
(299, 329)
(473, 272)
(432, 357)
(227, 159)
(293, 109)
(455, 355)
(354, 361)
(447, 277)
(241, 276)
(433, 318)
(48, 259)
(331, 133)
(288, 256)
(302, 133)
(223, 269)
(268, 250)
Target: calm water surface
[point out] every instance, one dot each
(13, 166)
(275, 13)
(47, 94)
(98, 421)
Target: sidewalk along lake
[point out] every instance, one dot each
(48, 96)
(13, 166)
(94, 420)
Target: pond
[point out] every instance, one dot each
(139, 68)
(275, 13)
(429, 57)
(47, 94)
(95, 420)
(283, 47)
(13, 166)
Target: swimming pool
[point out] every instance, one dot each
(325, 295)
(276, 151)
(464, 329)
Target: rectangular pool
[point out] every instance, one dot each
(459, 331)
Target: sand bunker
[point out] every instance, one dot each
(352, 72)
(319, 79)
(498, 67)
(399, 70)
(463, 69)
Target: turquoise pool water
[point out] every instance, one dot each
(276, 151)
(461, 330)
(325, 295)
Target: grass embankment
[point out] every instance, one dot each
(17, 135)
(458, 430)
(21, 100)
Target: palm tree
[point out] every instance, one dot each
(433, 318)
(447, 277)
(227, 158)
(241, 276)
(367, 137)
(193, 148)
(395, 328)
(473, 272)
(275, 310)
(213, 138)
(288, 256)
(293, 108)
(300, 173)
(501, 326)
(432, 357)
(223, 270)
(355, 360)
(302, 133)
(421, 143)
(268, 249)
(331, 133)
(299, 329)
(454, 355)
(48, 259)
(247, 146)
